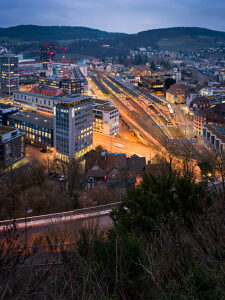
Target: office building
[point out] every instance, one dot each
(34, 102)
(5, 111)
(105, 117)
(72, 123)
(38, 129)
(9, 73)
(47, 52)
(77, 84)
(12, 146)
(52, 82)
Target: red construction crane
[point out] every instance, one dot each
(50, 52)
(63, 57)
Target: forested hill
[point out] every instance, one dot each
(42, 33)
(93, 42)
(177, 38)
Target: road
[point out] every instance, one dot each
(119, 145)
(70, 224)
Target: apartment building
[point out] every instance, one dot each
(175, 94)
(12, 147)
(214, 116)
(214, 137)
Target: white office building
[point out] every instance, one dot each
(105, 117)
(72, 126)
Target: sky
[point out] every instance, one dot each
(130, 16)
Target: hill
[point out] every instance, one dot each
(52, 33)
(177, 38)
(84, 41)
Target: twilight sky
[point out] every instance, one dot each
(129, 16)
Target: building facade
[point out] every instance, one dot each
(12, 146)
(214, 138)
(72, 123)
(5, 111)
(76, 84)
(38, 129)
(34, 102)
(9, 73)
(214, 116)
(105, 117)
(175, 94)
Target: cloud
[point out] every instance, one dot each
(115, 15)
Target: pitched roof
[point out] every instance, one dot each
(47, 92)
(175, 89)
(200, 102)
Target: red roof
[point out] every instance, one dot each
(47, 92)
(175, 89)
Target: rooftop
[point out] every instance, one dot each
(72, 99)
(5, 129)
(218, 131)
(175, 89)
(47, 92)
(33, 118)
(5, 106)
(100, 101)
(36, 95)
(104, 107)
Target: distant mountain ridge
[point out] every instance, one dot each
(94, 42)
(155, 37)
(36, 32)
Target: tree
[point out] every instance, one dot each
(153, 65)
(159, 197)
(73, 173)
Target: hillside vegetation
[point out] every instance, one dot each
(167, 243)
(90, 42)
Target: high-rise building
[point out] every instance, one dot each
(9, 73)
(72, 125)
(47, 52)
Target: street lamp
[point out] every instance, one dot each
(29, 211)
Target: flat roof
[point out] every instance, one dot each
(6, 106)
(73, 98)
(5, 129)
(100, 101)
(105, 107)
(33, 118)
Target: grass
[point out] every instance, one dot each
(186, 43)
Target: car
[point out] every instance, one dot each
(61, 177)
(53, 175)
